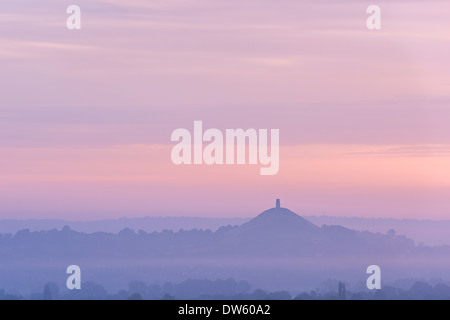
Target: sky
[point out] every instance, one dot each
(86, 115)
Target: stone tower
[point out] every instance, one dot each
(277, 204)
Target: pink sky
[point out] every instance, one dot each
(86, 116)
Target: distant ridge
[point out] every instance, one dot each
(149, 224)
(429, 232)
(276, 230)
(279, 220)
(276, 247)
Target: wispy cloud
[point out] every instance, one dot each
(138, 69)
(407, 151)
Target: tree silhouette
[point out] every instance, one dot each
(135, 296)
(47, 292)
(168, 297)
(341, 291)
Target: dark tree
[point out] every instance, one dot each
(341, 291)
(47, 292)
(135, 296)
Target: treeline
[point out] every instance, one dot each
(228, 290)
(328, 241)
